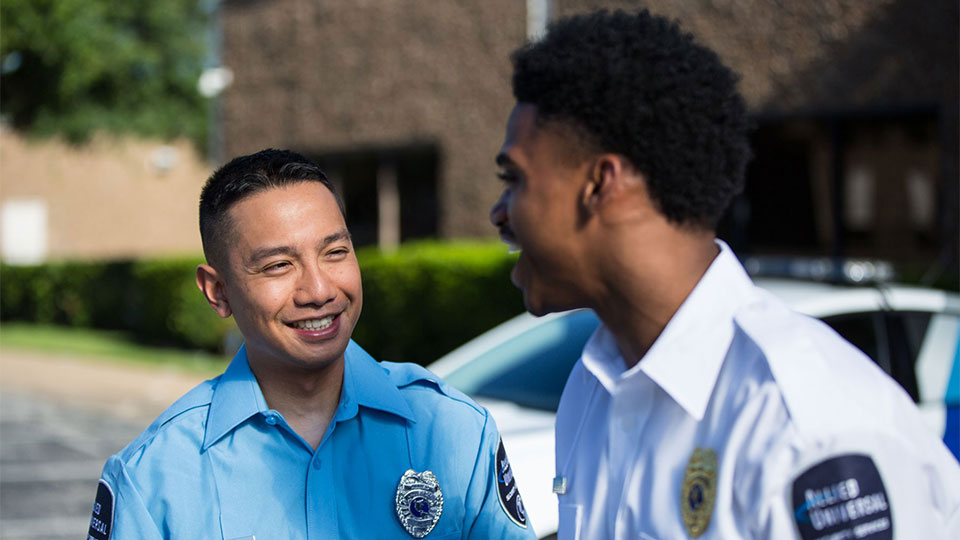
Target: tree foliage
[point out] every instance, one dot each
(73, 67)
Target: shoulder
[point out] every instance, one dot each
(826, 384)
(425, 390)
(179, 426)
(843, 429)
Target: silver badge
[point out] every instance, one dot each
(419, 502)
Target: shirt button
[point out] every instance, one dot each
(317, 462)
(271, 419)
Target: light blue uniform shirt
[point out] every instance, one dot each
(219, 463)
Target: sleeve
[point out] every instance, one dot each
(866, 486)
(119, 512)
(492, 496)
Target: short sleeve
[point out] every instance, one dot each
(118, 510)
(864, 485)
(493, 496)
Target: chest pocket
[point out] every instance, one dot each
(372, 454)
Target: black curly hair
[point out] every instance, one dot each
(242, 177)
(637, 86)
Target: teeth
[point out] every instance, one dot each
(314, 324)
(512, 247)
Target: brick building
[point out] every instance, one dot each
(404, 103)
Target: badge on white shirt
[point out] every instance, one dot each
(699, 491)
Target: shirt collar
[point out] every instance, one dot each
(237, 395)
(687, 356)
(366, 383)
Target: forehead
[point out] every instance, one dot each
(293, 210)
(529, 140)
(521, 128)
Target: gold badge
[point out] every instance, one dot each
(699, 490)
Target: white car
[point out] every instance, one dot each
(518, 369)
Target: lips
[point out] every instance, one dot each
(508, 238)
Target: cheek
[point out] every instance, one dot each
(266, 298)
(348, 280)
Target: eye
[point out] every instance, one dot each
(276, 267)
(338, 253)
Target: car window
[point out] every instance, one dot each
(915, 325)
(938, 362)
(532, 368)
(892, 339)
(867, 332)
(903, 344)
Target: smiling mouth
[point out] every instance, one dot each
(314, 325)
(507, 238)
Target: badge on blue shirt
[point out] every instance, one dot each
(842, 497)
(419, 502)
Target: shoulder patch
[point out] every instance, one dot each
(101, 522)
(507, 491)
(842, 497)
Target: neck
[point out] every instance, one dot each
(306, 397)
(644, 282)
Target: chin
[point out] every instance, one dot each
(538, 305)
(537, 309)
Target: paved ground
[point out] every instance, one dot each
(60, 418)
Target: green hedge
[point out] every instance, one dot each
(427, 298)
(419, 302)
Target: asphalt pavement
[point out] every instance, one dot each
(51, 455)
(55, 439)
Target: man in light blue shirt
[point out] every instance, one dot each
(304, 435)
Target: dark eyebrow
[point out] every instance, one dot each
(342, 234)
(504, 160)
(266, 252)
(263, 253)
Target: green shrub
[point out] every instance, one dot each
(419, 302)
(427, 298)
(169, 309)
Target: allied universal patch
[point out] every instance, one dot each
(507, 488)
(419, 502)
(101, 522)
(842, 497)
(698, 491)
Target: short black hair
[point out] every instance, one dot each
(637, 86)
(243, 177)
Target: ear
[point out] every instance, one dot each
(214, 290)
(603, 183)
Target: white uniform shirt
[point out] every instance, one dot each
(811, 439)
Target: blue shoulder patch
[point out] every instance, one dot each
(842, 497)
(507, 492)
(101, 522)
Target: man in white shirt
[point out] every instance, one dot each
(701, 407)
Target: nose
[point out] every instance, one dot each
(314, 287)
(498, 212)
